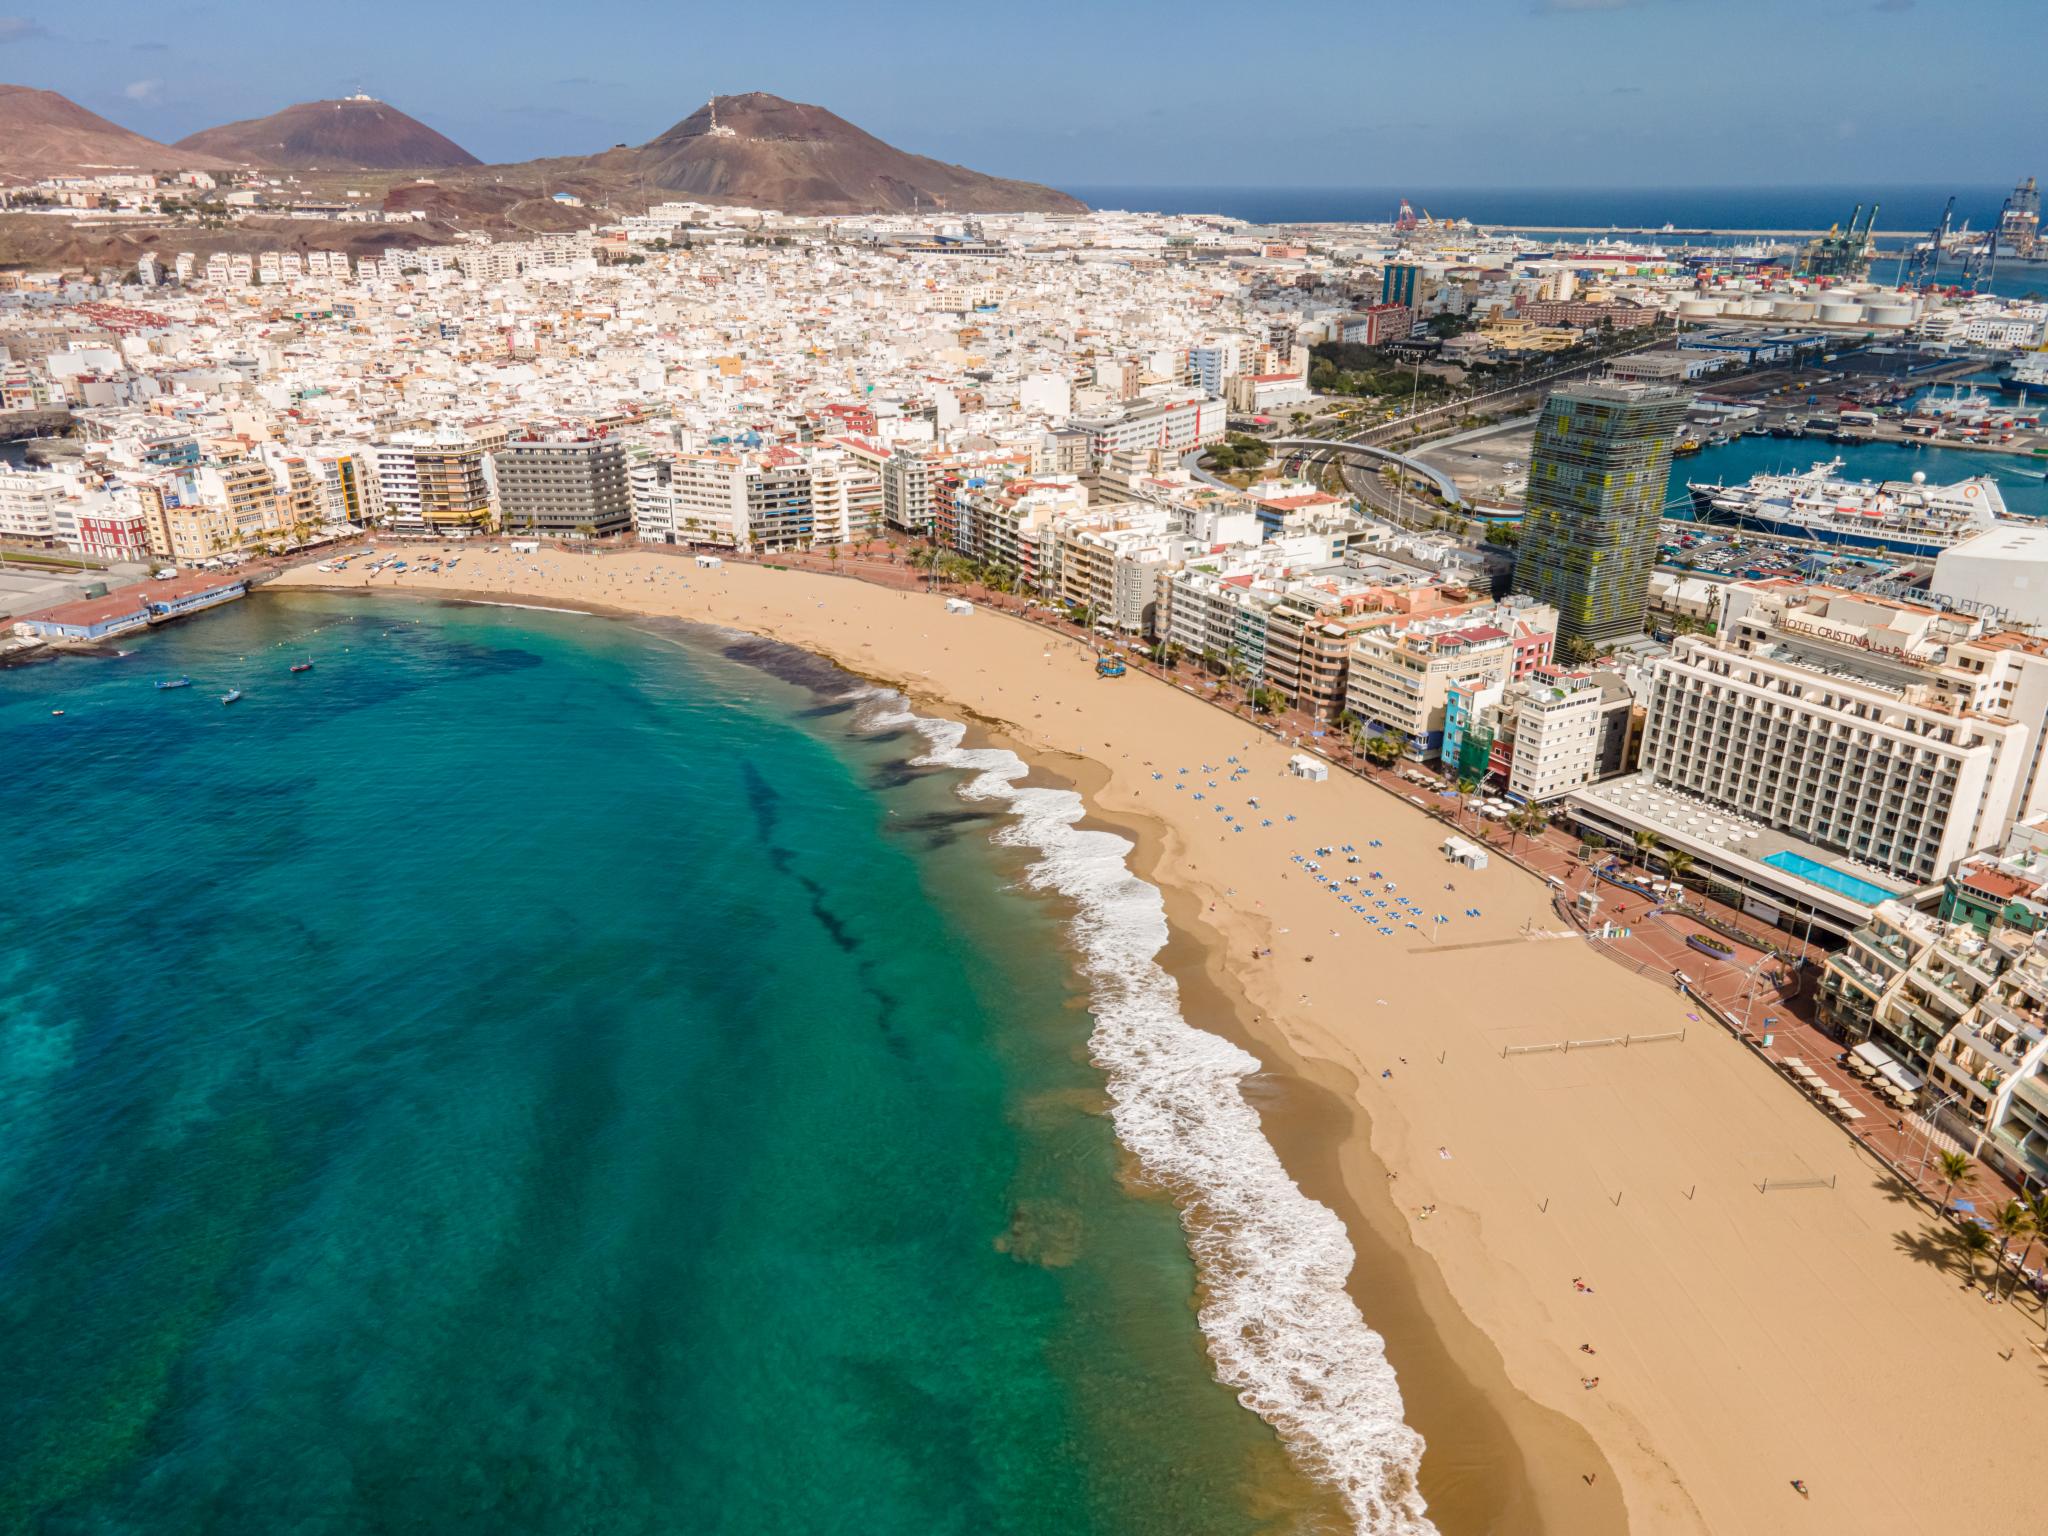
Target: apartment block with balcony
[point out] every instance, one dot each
(1965, 1010)
(564, 487)
(1860, 747)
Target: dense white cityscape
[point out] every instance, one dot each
(1043, 809)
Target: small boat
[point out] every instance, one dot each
(56, 711)
(303, 666)
(174, 682)
(231, 695)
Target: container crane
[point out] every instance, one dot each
(1922, 263)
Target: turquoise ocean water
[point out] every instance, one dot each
(536, 1074)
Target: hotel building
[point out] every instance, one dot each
(1829, 750)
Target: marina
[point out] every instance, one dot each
(2019, 489)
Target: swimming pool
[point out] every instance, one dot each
(1828, 878)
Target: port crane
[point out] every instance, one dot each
(1982, 260)
(1922, 262)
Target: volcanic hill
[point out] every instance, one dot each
(44, 134)
(357, 133)
(762, 151)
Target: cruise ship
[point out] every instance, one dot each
(1900, 517)
(2028, 371)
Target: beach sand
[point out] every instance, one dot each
(1743, 1339)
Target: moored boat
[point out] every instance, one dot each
(174, 682)
(231, 695)
(1900, 517)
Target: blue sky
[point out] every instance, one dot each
(1169, 92)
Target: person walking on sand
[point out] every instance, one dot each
(1799, 1487)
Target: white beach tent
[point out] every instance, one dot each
(1463, 851)
(958, 605)
(1314, 769)
(709, 562)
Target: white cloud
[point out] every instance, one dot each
(19, 29)
(143, 90)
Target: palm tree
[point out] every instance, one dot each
(1957, 1168)
(1466, 786)
(1677, 865)
(1383, 750)
(1646, 845)
(2037, 1227)
(1527, 820)
(2009, 1221)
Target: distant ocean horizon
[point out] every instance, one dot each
(1914, 208)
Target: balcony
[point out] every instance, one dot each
(1868, 976)
(1990, 1052)
(1976, 1097)
(1972, 968)
(1927, 1028)
(1946, 989)
(2032, 1090)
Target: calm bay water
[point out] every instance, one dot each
(2019, 479)
(531, 1074)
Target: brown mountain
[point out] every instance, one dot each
(765, 152)
(355, 134)
(44, 134)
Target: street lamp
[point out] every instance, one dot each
(1927, 1139)
(1746, 1007)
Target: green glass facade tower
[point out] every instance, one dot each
(1596, 491)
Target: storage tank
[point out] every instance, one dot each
(1698, 309)
(1839, 311)
(1890, 314)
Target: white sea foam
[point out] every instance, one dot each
(1281, 1327)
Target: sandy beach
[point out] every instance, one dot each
(1742, 1339)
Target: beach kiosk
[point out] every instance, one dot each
(958, 605)
(709, 562)
(1314, 769)
(1463, 851)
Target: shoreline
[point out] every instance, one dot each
(1494, 1460)
(1742, 1341)
(1458, 1399)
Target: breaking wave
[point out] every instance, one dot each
(1280, 1325)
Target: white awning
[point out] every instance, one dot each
(1888, 1069)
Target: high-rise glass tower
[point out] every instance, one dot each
(1596, 489)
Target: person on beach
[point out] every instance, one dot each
(1799, 1487)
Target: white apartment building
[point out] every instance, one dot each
(910, 489)
(32, 507)
(1557, 736)
(1013, 523)
(1112, 562)
(846, 496)
(1399, 678)
(1897, 734)
(1221, 615)
(1165, 426)
(726, 500)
